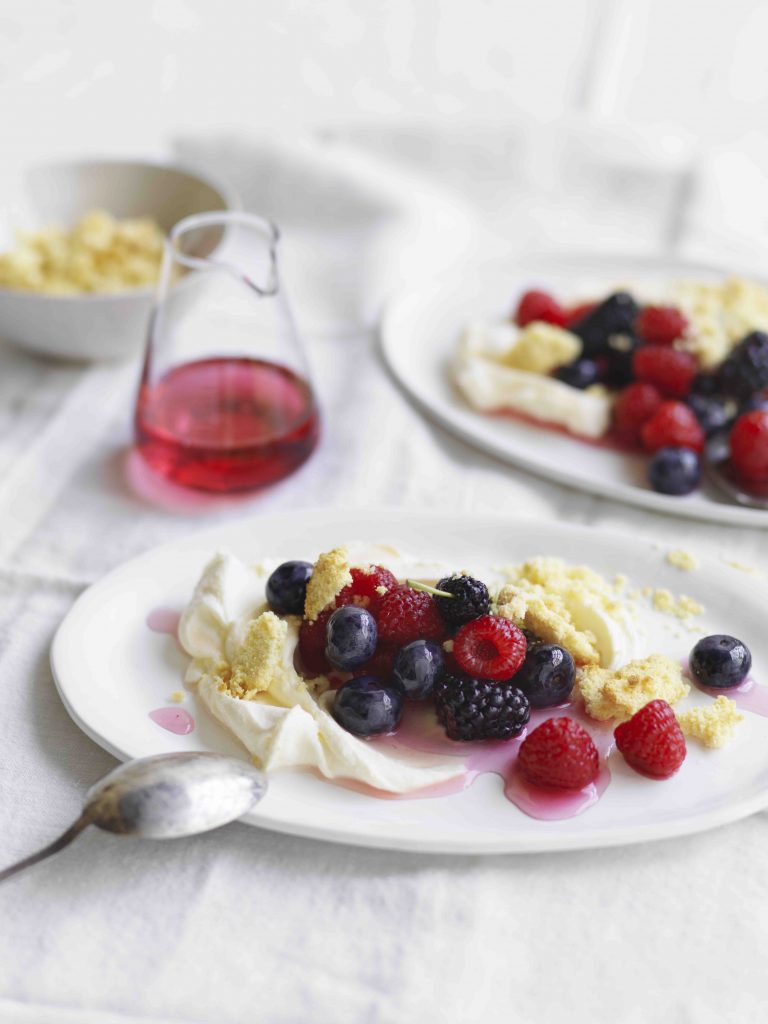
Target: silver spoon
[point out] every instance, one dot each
(163, 797)
(717, 458)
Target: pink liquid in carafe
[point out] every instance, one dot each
(226, 424)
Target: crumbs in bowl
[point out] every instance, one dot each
(100, 254)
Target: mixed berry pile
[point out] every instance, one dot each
(387, 642)
(665, 405)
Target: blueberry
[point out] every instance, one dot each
(620, 350)
(746, 368)
(547, 675)
(581, 373)
(365, 706)
(615, 315)
(721, 661)
(712, 411)
(287, 587)
(674, 471)
(418, 666)
(351, 636)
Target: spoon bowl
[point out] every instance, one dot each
(163, 797)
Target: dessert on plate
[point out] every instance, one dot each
(656, 373)
(400, 677)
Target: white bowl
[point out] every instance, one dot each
(94, 326)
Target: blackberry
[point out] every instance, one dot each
(470, 600)
(478, 709)
(614, 316)
(705, 384)
(746, 368)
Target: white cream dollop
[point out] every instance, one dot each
(286, 725)
(489, 385)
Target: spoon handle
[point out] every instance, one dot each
(65, 839)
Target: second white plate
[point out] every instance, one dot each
(419, 335)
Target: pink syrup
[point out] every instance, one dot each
(175, 720)
(420, 732)
(748, 695)
(609, 441)
(164, 620)
(226, 425)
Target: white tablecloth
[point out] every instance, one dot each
(245, 925)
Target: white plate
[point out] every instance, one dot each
(419, 335)
(111, 671)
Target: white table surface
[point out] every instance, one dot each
(243, 925)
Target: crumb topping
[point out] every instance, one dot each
(620, 693)
(259, 659)
(721, 315)
(682, 560)
(712, 725)
(681, 607)
(178, 696)
(329, 577)
(541, 347)
(540, 596)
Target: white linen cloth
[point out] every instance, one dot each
(245, 925)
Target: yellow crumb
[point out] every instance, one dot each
(329, 576)
(260, 657)
(682, 560)
(178, 696)
(681, 607)
(541, 348)
(712, 725)
(720, 315)
(750, 569)
(621, 692)
(548, 597)
(100, 254)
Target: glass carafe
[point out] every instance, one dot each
(225, 401)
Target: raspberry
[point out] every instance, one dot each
(312, 640)
(559, 754)
(491, 647)
(478, 709)
(652, 741)
(577, 313)
(470, 600)
(674, 425)
(672, 372)
(405, 615)
(363, 588)
(536, 305)
(634, 407)
(661, 325)
(749, 446)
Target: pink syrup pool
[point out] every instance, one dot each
(420, 732)
(749, 695)
(175, 720)
(164, 620)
